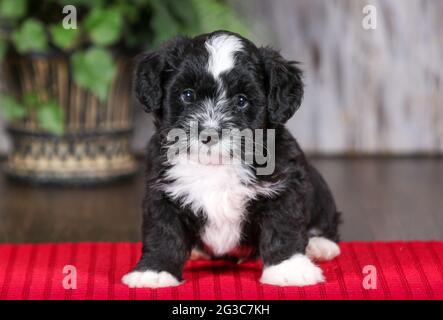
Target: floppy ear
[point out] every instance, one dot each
(152, 70)
(148, 81)
(284, 85)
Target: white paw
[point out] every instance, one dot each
(322, 249)
(149, 279)
(295, 271)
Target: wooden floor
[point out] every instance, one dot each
(381, 199)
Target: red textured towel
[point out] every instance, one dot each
(405, 270)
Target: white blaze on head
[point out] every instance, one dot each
(222, 49)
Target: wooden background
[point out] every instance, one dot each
(367, 91)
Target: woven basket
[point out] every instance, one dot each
(96, 144)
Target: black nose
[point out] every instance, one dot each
(208, 140)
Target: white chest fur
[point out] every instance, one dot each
(220, 192)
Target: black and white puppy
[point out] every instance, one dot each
(287, 218)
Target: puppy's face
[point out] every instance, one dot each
(217, 82)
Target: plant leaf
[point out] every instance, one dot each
(12, 9)
(163, 23)
(94, 69)
(186, 13)
(51, 118)
(30, 99)
(12, 110)
(3, 49)
(104, 26)
(31, 36)
(215, 15)
(87, 3)
(63, 38)
(128, 10)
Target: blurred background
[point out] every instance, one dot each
(371, 120)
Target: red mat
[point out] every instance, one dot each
(405, 270)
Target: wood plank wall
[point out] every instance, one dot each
(367, 91)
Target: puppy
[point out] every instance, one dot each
(287, 216)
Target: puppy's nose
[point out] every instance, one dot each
(208, 140)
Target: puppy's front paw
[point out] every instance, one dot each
(295, 271)
(149, 279)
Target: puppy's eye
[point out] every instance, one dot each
(188, 96)
(241, 101)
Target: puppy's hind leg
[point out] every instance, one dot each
(323, 228)
(198, 254)
(322, 249)
(283, 242)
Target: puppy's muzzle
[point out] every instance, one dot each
(209, 138)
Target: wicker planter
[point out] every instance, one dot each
(96, 144)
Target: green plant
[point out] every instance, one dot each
(104, 28)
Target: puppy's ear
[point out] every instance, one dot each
(284, 86)
(152, 71)
(148, 81)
